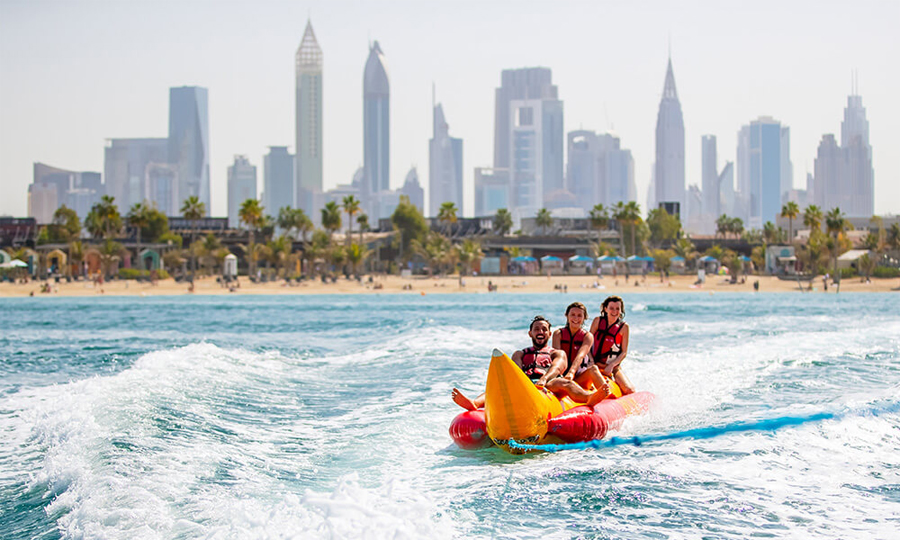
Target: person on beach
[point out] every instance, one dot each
(573, 340)
(543, 365)
(610, 333)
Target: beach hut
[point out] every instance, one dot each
(850, 259)
(152, 263)
(551, 265)
(523, 265)
(4, 257)
(579, 264)
(781, 260)
(679, 265)
(56, 262)
(230, 266)
(709, 264)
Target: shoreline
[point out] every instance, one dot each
(421, 285)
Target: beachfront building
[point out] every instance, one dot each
(241, 186)
(764, 169)
(376, 131)
(445, 159)
(53, 187)
(669, 166)
(278, 180)
(710, 196)
(844, 177)
(492, 190)
(126, 162)
(161, 187)
(188, 143)
(529, 137)
(412, 188)
(308, 120)
(599, 170)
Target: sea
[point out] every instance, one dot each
(326, 416)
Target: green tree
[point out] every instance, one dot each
(544, 220)
(866, 266)
(447, 216)
(104, 220)
(503, 222)
(331, 218)
(790, 210)
(663, 227)
(363, 222)
(893, 237)
(812, 218)
(436, 250)
(629, 216)
(138, 218)
(410, 225)
(294, 220)
(192, 209)
(351, 206)
(836, 224)
(356, 255)
(66, 225)
(468, 252)
(251, 215)
(599, 217)
(662, 260)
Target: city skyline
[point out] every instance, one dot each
(619, 91)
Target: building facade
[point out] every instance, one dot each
(52, 188)
(308, 120)
(492, 191)
(412, 188)
(764, 169)
(376, 131)
(278, 180)
(241, 186)
(445, 159)
(126, 164)
(669, 166)
(189, 141)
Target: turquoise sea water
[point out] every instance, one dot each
(327, 416)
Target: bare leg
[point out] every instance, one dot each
(593, 375)
(624, 384)
(468, 404)
(575, 391)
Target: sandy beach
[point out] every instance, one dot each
(421, 285)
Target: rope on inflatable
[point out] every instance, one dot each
(770, 424)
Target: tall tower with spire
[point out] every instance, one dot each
(376, 130)
(308, 68)
(669, 168)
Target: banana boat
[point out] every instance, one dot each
(517, 410)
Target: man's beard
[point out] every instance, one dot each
(538, 345)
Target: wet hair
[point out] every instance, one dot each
(538, 318)
(577, 305)
(608, 301)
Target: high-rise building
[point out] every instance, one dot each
(278, 180)
(725, 183)
(308, 125)
(126, 162)
(710, 176)
(412, 188)
(764, 169)
(189, 141)
(599, 170)
(53, 187)
(693, 212)
(536, 140)
(161, 187)
(376, 131)
(492, 191)
(445, 153)
(241, 186)
(669, 167)
(526, 83)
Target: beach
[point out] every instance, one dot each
(381, 284)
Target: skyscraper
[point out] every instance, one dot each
(308, 68)
(669, 167)
(529, 139)
(413, 189)
(189, 141)
(858, 195)
(53, 187)
(710, 177)
(599, 170)
(445, 166)
(126, 162)
(241, 186)
(376, 130)
(492, 191)
(764, 168)
(278, 179)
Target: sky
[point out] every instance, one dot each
(74, 73)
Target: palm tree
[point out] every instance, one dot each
(435, 250)
(722, 225)
(893, 237)
(76, 254)
(251, 215)
(629, 214)
(331, 218)
(193, 209)
(503, 222)
(468, 253)
(363, 222)
(836, 224)
(104, 220)
(790, 210)
(447, 216)
(294, 219)
(544, 220)
(351, 206)
(356, 254)
(812, 218)
(138, 218)
(599, 217)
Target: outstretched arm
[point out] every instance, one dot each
(557, 365)
(580, 355)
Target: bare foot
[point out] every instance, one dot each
(462, 400)
(597, 397)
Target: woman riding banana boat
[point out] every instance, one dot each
(572, 391)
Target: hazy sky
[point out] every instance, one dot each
(76, 72)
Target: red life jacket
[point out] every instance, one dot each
(536, 362)
(605, 338)
(570, 344)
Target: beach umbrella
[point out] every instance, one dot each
(523, 259)
(678, 258)
(580, 258)
(15, 263)
(617, 258)
(605, 258)
(550, 258)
